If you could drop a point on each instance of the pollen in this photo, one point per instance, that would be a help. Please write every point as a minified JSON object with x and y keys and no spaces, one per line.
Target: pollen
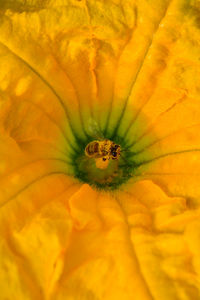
{"x":101,"y":164}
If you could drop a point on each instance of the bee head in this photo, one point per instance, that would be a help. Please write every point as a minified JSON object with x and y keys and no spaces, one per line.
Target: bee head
{"x":114,"y":154}
{"x":115,"y":151}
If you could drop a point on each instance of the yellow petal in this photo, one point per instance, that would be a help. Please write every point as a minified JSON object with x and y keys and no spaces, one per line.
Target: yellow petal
{"x":129,"y":70}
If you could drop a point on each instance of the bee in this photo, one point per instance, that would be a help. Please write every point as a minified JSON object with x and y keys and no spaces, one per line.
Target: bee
{"x":104,"y":149}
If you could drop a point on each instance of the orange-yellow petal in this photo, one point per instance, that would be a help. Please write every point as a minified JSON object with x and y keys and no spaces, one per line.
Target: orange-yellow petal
{"x":130,"y":70}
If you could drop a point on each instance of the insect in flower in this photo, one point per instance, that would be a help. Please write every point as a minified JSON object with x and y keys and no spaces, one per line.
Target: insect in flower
{"x":104,"y":149}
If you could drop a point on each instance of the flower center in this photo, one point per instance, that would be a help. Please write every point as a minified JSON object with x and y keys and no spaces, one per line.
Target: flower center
{"x":107,"y":157}
{"x":104,"y":164}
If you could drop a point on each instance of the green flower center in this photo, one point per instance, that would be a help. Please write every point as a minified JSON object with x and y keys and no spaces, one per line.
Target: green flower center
{"x":107,"y":174}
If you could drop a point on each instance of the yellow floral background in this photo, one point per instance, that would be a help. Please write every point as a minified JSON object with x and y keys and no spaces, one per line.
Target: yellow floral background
{"x":134,"y":68}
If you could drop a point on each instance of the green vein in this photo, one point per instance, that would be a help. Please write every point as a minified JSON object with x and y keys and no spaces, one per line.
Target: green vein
{"x":137,"y":74}
{"x":167,"y":154}
{"x":30,"y":184}
{"x":54,"y":122}
{"x":60,"y":100}
{"x":158,"y":140}
{"x":111,"y":102}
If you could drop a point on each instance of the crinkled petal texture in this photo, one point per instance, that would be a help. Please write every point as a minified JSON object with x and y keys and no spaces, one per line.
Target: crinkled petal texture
{"x":134,"y":68}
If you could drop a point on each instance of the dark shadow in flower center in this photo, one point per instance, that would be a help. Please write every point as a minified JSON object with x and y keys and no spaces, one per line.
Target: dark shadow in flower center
{"x":108,"y":174}
{"x":115,"y":172}
{"x":119,"y":170}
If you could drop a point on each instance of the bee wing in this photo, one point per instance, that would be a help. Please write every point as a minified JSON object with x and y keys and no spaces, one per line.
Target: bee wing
{"x":93,"y":129}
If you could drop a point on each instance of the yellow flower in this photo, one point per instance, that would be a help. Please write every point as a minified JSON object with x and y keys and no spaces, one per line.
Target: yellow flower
{"x":73,"y":72}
